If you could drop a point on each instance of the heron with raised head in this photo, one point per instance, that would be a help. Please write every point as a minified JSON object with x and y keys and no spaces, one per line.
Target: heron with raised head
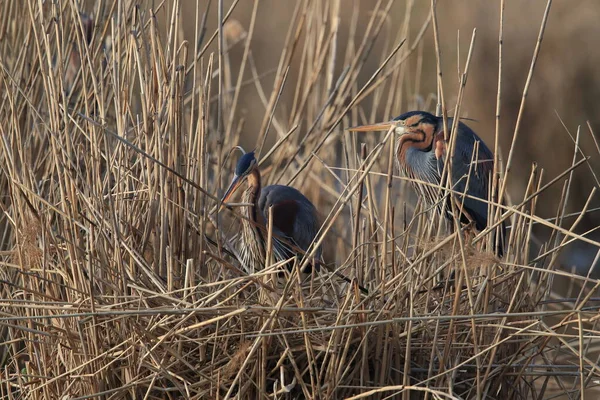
{"x":295,"y":222}
{"x":421,"y":152}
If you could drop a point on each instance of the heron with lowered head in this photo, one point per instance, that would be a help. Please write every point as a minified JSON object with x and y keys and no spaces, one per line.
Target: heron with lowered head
{"x":295,"y":222}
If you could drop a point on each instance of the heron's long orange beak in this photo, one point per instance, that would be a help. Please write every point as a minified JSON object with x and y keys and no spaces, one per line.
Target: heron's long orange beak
{"x":381,"y":126}
{"x":235,"y":183}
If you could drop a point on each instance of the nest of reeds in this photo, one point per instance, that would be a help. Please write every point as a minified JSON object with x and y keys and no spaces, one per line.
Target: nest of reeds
{"x":120,"y":280}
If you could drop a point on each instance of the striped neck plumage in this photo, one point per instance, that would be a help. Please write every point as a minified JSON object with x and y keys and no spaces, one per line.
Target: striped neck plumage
{"x":253,"y":250}
{"x":252,"y":194}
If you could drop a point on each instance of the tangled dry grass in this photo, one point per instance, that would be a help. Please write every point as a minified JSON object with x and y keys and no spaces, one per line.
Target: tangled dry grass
{"x":119,"y":280}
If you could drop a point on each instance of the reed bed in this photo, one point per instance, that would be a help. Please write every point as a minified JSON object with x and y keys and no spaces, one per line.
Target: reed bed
{"x":120,"y":277}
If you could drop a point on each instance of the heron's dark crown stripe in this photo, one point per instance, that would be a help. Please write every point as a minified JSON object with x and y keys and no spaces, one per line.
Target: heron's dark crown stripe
{"x":426,"y":117}
{"x":409,"y":114}
{"x":244,"y":163}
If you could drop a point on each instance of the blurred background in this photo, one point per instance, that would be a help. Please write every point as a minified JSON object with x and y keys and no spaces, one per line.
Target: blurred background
{"x":563,"y":96}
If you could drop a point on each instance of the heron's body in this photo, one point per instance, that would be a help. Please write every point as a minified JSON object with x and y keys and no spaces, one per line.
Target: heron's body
{"x":295,"y":221}
{"x":421,"y":153}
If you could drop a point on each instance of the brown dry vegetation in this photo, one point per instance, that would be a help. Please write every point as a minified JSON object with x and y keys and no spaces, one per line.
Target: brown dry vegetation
{"x":119,"y":279}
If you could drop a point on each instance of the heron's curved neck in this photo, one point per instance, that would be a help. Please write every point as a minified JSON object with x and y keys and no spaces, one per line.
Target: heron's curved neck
{"x":254,"y":250}
{"x":252,"y":194}
{"x":419,"y":139}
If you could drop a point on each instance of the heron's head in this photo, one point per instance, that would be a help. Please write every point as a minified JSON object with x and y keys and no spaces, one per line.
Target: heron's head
{"x":409,"y":122}
{"x":246,"y":164}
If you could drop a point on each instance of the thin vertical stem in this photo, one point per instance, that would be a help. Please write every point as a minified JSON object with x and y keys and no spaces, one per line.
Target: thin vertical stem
{"x":534,"y":59}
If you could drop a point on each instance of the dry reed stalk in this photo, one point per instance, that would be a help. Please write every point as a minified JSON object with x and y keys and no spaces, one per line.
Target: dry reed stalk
{"x":119,"y":281}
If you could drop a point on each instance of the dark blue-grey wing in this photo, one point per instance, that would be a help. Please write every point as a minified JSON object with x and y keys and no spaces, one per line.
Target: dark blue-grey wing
{"x":294,"y":216}
{"x":473,"y":170}
{"x":476,"y":171}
